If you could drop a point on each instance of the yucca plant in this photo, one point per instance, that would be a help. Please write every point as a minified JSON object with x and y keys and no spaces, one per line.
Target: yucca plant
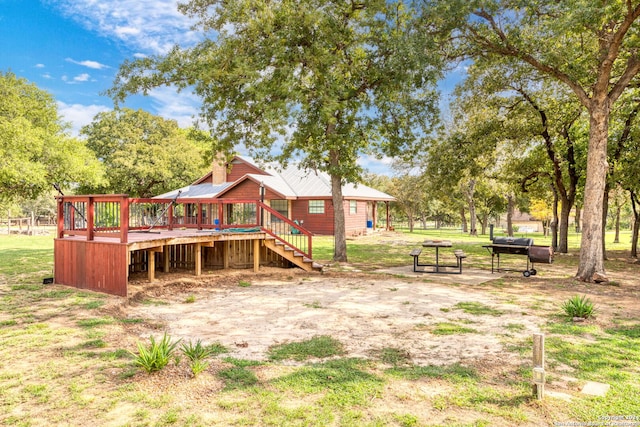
{"x":579,"y":306}
{"x":198,"y":366}
{"x":195,"y":351}
{"x":157,"y":355}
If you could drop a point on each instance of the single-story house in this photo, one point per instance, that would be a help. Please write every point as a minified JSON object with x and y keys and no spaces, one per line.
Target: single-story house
{"x":300,"y":195}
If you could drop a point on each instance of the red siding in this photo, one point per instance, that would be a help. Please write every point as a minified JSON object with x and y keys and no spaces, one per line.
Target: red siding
{"x":95,"y":266}
{"x":315,"y":223}
{"x":240,"y":169}
{"x":247,"y":189}
{"x":355,"y":223}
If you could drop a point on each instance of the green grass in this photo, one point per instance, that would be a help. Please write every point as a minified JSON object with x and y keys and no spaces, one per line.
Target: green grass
{"x":318,"y":346}
{"x":478,"y":309}
{"x":449,"y":328}
{"x":237,"y":377}
{"x":610,"y":356}
{"x":63,"y":361}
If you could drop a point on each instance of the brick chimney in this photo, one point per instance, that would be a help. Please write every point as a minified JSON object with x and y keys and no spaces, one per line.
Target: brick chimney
{"x":218,"y":170}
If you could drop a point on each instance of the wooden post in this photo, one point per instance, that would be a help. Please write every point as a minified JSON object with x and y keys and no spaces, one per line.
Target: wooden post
{"x":166,"y":252}
{"x":538,"y":365}
{"x":151,"y":265}
{"x":226,"y":253}
{"x":198,"y":259}
{"x":90,"y":218}
{"x":256,"y":255}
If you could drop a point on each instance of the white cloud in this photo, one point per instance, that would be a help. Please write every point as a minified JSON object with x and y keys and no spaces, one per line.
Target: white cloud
{"x":39,"y":65}
{"x":79,"y":115}
{"x":378,"y":166}
{"x":182,"y":107}
{"x":81,"y":77}
{"x":152,"y":26}
{"x":89,"y":64}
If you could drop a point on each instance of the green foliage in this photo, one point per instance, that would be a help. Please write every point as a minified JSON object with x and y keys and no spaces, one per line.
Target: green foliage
{"x":198,"y":366}
{"x":319,"y":346}
{"x":34,"y":147}
{"x":579,"y":306}
{"x":195,"y":351}
{"x":360,"y":84}
{"x":157,"y":355}
{"x":144,"y":155}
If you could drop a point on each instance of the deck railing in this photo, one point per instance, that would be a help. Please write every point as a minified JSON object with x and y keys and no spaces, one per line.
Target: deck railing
{"x":116,"y":215}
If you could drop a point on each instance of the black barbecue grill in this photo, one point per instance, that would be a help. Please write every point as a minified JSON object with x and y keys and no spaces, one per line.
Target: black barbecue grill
{"x":519,"y":246}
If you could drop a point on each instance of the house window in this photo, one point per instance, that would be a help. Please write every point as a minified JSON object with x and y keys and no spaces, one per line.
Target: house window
{"x":316,"y":206}
{"x":353,"y":207}
{"x":282,"y":206}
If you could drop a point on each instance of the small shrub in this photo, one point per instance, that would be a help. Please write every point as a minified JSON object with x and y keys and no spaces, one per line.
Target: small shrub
{"x":579,"y":306}
{"x":190,"y":299}
{"x":157,"y":355}
{"x":244,"y":284}
{"x":197,"y":366}
{"x":196,"y":351}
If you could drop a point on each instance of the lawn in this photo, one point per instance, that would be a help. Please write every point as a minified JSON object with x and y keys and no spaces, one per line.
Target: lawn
{"x":69,"y":357}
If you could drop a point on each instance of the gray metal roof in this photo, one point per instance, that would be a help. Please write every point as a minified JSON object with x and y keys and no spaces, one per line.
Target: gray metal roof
{"x":203,"y":191}
{"x":292,"y":182}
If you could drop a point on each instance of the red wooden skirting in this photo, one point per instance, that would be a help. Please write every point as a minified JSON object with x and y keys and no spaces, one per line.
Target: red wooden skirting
{"x":96,"y":266}
{"x":98,"y":243}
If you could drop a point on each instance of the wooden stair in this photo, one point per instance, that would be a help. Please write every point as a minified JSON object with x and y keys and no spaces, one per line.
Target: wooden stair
{"x":290,"y":254}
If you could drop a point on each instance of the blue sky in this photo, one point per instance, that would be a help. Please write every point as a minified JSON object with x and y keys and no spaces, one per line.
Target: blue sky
{"x":73,"y":48}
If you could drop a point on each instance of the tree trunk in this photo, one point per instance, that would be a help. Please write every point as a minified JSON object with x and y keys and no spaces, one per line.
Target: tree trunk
{"x":484,"y":221}
{"x":410,"y":221}
{"x":605,"y":213}
{"x":510,"y":209}
{"x":557,"y":221}
{"x":472,"y":207}
{"x":591,"y":266}
{"x":578,"y":219}
{"x":636,"y":225}
{"x":340,"y":238}
{"x":617,"y":238}
{"x":463,"y":219}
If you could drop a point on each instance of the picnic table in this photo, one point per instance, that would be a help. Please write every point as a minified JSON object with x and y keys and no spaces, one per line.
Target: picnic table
{"x":437,"y":267}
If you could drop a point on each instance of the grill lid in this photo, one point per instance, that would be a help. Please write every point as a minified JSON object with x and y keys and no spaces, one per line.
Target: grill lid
{"x":521,"y":241}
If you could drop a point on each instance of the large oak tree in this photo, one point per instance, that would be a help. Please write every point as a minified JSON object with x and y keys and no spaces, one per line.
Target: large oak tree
{"x":144,"y":155}
{"x":591,"y":46}
{"x":324,"y":82}
{"x":35,"y":149}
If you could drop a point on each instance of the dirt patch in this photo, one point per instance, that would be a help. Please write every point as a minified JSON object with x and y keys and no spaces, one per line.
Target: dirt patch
{"x":367,"y":312}
{"x":394,"y":308}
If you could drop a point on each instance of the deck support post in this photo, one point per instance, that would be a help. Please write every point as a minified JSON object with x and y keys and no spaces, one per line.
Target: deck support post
{"x":166,"y":253}
{"x":256,"y":255}
{"x":198,"y":259}
{"x":151,"y":265}
{"x":226,"y":251}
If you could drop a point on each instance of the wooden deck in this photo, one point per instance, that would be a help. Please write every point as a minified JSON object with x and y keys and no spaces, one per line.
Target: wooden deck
{"x":102,"y":258}
{"x":104,"y":264}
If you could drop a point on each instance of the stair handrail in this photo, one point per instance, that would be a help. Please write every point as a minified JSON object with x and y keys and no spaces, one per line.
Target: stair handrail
{"x":293,"y":225}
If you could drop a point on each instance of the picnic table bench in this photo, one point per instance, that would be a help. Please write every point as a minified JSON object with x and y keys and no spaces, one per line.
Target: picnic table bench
{"x":438,"y":267}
